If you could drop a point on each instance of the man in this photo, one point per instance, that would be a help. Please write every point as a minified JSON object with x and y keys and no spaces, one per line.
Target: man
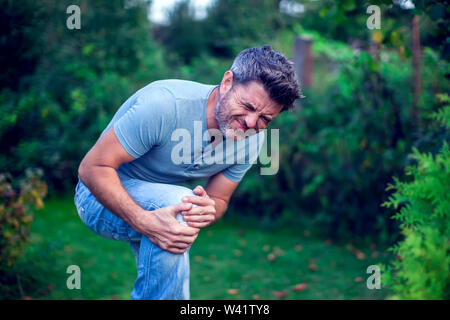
{"x":128,"y":182}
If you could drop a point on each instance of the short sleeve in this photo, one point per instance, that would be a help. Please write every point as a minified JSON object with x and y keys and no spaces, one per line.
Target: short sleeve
{"x":148,"y":122}
{"x":237,"y":171}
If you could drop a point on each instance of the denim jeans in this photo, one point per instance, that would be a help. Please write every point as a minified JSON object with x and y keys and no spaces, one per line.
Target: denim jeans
{"x":160,"y":273}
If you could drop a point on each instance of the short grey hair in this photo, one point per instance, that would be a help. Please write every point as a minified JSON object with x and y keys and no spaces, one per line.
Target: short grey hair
{"x":272,"y":69}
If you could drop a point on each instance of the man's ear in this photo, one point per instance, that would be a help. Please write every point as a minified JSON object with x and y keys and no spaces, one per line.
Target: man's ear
{"x":227,"y":82}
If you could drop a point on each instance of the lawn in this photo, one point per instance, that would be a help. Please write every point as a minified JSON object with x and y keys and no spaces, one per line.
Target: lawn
{"x":229,"y":260}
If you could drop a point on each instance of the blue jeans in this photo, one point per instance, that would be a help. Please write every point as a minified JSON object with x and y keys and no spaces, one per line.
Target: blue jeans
{"x":160,"y":273}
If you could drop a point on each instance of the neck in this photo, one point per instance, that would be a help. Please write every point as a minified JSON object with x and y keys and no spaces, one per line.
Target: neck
{"x":211,"y":122}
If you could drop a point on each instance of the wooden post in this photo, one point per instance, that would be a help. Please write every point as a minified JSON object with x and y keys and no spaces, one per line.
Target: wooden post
{"x":303,"y":61}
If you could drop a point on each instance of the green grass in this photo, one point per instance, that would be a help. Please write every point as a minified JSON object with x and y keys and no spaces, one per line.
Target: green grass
{"x":227,"y":255}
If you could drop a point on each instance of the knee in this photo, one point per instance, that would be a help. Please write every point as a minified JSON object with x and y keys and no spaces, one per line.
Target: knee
{"x":176,"y":193}
{"x":159,"y":194}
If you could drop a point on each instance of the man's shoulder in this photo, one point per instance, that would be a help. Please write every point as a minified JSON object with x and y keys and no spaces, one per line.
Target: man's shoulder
{"x":177,"y":89}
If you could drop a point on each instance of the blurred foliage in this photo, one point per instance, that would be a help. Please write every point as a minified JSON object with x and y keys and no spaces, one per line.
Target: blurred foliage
{"x":422,"y":270}
{"x":229,"y":27}
{"x":18,"y":43}
{"x":342,"y":20}
{"x":78,"y":82}
{"x":16,"y":213}
{"x":340,"y":148}
{"x":20,"y":197}
{"x":348,"y":138}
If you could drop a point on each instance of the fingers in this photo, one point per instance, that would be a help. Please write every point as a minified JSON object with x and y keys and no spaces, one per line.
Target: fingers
{"x":175,"y":209}
{"x":183,"y":231}
{"x":201,"y":201}
{"x":194,"y":211}
{"x":174,"y":242}
{"x":166,"y":232}
{"x":181,"y":243}
{"x":199,"y":221}
{"x":200,"y":191}
{"x":178,"y":244}
{"x":200,"y":224}
{"x":174,"y":249}
{"x":199,"y":218}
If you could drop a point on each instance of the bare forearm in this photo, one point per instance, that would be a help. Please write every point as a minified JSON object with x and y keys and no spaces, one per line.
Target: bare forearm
{"x":98,"y":172}
{"x":105,"y":185}
{"x":221,"y":207}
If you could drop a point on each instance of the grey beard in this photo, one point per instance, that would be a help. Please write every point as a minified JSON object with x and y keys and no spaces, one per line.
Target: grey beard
{"x":221,"y":118}
{"x":224,"y":121}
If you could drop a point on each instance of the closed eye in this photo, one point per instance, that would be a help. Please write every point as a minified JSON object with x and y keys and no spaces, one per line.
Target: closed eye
{"x":249,"y":107}
{"x":266,"y":120}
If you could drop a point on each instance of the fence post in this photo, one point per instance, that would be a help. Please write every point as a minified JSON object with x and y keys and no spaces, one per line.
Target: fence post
{"x":303,"y":61}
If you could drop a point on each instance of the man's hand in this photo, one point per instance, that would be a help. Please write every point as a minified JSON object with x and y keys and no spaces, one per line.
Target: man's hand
{"x":164,"y":230}
{"x":204,"y":213}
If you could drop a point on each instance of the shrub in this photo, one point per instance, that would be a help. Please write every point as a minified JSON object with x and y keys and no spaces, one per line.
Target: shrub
{"x":16,"y":213}
{"x":422,"y":268}
{"x":351,"y":134}
{"x":80,"y":79}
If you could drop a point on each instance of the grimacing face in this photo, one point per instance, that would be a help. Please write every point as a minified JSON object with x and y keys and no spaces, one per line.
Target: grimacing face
{"x":244,"y":107}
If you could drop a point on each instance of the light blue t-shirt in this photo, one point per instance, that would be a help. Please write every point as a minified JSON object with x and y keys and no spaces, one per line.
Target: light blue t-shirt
{"x":146,"y":124}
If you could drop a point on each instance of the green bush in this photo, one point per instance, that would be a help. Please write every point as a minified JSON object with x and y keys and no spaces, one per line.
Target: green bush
{"x":350,"y":135}
{"x":347,"y":140}
{"x":19,"y":198}
{"x":422,"y":268}
{"x":80,"y":79}
{"x":16,"y":213}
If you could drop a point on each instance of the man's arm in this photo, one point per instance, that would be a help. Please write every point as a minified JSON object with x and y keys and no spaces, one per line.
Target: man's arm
{"x":98,"y":173}
{"x":220,"y":189}
{"x":216,"y":196}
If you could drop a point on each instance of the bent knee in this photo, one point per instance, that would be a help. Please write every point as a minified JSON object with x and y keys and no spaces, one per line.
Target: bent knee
{"x":158,"y":194}
{"x":176,"y":194}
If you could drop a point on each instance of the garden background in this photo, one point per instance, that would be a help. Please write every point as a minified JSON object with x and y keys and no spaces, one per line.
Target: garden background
{"x":364,"y":165}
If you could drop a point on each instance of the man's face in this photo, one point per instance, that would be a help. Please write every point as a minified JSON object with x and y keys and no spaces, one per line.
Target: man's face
{"x":245,"y":107}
